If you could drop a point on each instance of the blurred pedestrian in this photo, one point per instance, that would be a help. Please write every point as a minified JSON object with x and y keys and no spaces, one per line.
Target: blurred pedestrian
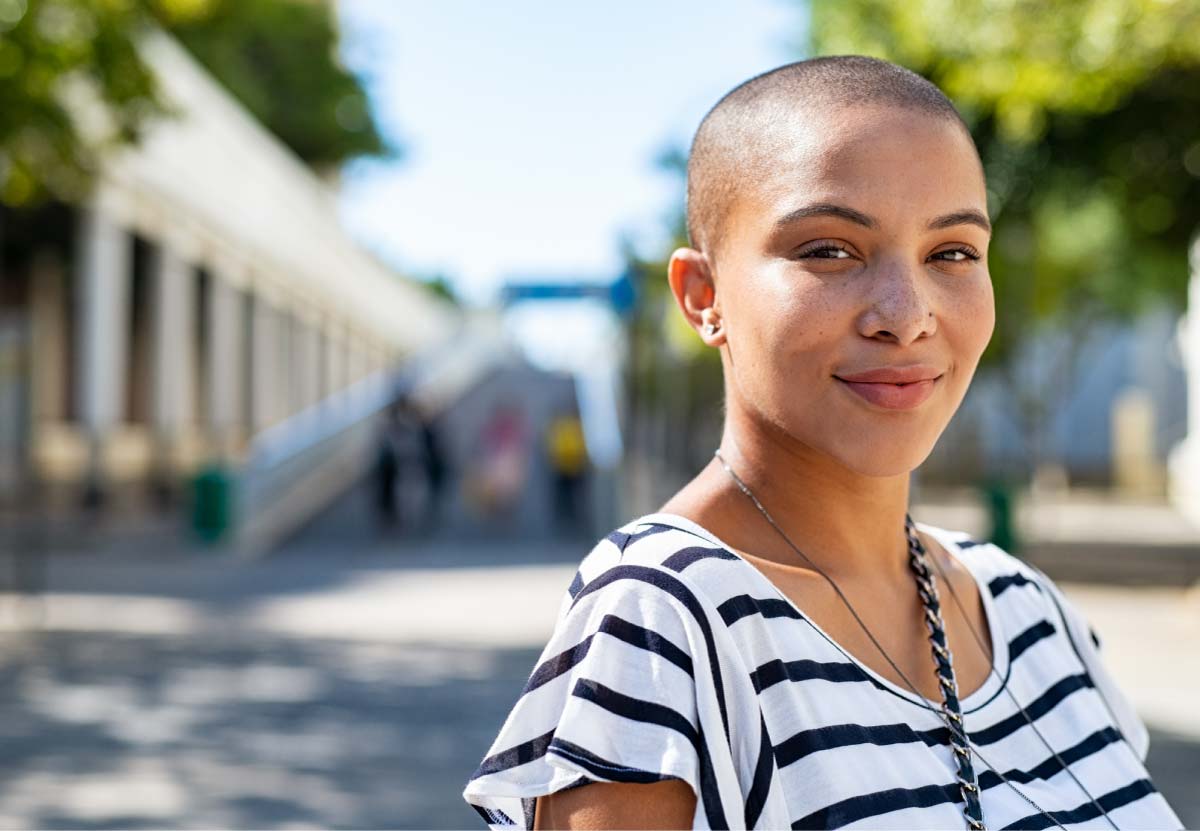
{"x":498,"y":479}
{"x":398,"y":452}
{"x":566,"y":450}
{"x":434,"y":459}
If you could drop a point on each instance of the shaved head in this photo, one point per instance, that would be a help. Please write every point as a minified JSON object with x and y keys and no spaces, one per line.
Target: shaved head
{"x":738,"y":140}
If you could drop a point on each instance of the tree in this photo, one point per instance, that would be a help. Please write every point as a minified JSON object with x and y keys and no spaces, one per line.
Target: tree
{"x":43,"y":42}
{"x":1084,"y":112}
{"x":441,"y":286}
{"x":279,"y":58}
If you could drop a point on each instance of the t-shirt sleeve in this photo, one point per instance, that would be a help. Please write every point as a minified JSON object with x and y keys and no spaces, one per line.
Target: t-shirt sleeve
{"x":1087,"y":644}
{"x":613,"y":698}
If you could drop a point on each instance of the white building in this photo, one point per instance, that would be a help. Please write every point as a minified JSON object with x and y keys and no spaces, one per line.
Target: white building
{"x":206,"y":292}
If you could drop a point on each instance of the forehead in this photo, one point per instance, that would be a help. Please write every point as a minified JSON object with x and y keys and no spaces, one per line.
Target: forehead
{"x":882,"y":160}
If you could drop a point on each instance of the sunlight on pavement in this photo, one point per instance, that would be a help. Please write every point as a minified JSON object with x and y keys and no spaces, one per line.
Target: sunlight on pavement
{"x":1149,"y":640}
{"x":132,"y":615}
{"x":500,"y":607}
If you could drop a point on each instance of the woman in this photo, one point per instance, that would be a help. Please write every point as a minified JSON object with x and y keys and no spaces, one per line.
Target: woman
{"x":779,"y":646}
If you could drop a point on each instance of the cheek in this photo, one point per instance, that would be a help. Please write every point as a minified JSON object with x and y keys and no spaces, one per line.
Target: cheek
{"x":980,"y":311}
{"x":968,"y":319}
{"x":795,"y":316}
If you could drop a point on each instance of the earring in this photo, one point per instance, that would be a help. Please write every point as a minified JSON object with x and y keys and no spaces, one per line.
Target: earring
{"x":710,"y":329}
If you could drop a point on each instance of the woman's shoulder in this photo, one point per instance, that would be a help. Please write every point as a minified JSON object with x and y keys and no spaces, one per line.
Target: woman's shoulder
{"x":660,"y":548}
{"x":997,"y":568}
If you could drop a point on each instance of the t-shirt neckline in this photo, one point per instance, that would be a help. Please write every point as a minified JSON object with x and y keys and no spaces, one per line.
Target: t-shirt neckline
{"x":996,"y":680}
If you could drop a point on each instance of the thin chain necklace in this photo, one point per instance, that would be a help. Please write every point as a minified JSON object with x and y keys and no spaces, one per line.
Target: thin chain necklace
{"x":950,"y":713}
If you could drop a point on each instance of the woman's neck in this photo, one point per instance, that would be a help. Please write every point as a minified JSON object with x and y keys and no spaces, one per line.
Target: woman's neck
{"x":847,"y":523}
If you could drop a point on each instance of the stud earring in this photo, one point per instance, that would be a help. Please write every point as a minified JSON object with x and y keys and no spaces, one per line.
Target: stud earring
{"x":710,"y":328}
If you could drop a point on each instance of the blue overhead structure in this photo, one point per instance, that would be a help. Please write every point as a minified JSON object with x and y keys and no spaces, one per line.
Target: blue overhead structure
{"x":620,"y":294}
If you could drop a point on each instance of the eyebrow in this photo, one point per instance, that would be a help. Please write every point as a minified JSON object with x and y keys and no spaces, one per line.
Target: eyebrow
{"x":964,"y":217}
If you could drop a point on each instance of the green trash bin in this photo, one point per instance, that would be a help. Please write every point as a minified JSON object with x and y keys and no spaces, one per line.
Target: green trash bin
{"x":212,"y":503}
{"x":998,"y":497}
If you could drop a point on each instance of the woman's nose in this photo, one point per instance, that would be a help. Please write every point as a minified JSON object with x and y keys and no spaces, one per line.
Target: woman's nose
{"x":899,"y":309}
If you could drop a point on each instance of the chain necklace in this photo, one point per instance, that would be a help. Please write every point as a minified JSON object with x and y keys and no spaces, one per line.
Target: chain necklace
{"x":951,"y":712}
{"x":968,"y":783}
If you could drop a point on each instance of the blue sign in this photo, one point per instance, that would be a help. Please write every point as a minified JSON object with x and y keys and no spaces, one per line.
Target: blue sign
{"x":620,"y":294}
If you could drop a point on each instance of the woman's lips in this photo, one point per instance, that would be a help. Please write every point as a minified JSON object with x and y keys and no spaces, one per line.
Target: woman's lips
{"x":893,"y":396}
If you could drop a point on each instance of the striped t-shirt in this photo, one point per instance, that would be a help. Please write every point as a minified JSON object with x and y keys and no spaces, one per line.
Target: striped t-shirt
{"x":674,"y":658}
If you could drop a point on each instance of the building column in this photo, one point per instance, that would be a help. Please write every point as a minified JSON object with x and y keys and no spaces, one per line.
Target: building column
{"x":286,"y":344}
{"x":374,"y":361}
{"x":49,"y":371}
{"x":331,"y":359}
{"x":316,"y":362}
{"x":357,"y":359}
{"x":345,"y":358}
{"x":226,"y":364}
{"x":325,"y":386}
{"x":246,"y":303}
{"x":309,"y":352}
{"x":173,"y":338}
{"x":103,"y":277}
{"x":263,"y":365}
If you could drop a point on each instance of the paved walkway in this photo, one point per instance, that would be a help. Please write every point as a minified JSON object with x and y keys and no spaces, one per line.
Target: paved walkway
{"x":287,"y":693}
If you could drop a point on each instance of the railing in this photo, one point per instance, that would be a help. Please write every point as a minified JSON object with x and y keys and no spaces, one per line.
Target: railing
{"x":297,"y":467}
{"x":301,"y":464}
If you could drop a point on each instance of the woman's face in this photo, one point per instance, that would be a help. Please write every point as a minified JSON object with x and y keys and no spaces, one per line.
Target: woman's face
{"x":859,"y":259}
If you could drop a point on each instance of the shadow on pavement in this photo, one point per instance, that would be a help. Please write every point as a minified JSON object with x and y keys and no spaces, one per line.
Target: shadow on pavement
{"x":105,"y":731}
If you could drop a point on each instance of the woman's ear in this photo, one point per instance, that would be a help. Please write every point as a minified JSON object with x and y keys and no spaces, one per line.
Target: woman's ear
{"x":695,"y":291}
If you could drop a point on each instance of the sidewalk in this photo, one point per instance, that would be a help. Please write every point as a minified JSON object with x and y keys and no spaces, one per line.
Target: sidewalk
{"x":355,"y":689}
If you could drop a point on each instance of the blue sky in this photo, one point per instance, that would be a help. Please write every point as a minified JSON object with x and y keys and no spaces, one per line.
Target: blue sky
{"x":531,"y":128}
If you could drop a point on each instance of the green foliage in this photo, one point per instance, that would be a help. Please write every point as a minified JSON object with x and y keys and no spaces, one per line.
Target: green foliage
{"x":41,"y":43}
{"x":440,"y":286}
{"x":279,"y":58}
{"x":1021,"y":61}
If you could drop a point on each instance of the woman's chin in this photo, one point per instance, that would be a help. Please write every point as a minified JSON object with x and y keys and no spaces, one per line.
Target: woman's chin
{"x":884,"y":459}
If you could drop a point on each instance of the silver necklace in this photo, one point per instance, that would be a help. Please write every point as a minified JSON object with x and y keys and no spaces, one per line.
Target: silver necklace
{"x":950,"y":714}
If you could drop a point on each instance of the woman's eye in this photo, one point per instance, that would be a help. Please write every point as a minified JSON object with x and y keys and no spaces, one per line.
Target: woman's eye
{"x":956,"y":255}
{"x":826,"y":252}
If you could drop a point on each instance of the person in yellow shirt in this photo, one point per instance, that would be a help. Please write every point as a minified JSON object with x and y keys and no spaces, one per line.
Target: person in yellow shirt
{"x":567,"y":451}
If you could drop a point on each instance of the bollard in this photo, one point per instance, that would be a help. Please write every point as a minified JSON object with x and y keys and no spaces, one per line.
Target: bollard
{"x":998,"y":497}
{"x":211,"y":503}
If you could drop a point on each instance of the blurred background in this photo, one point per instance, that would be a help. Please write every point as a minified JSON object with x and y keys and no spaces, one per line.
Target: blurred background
{"x":333,"y":334}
